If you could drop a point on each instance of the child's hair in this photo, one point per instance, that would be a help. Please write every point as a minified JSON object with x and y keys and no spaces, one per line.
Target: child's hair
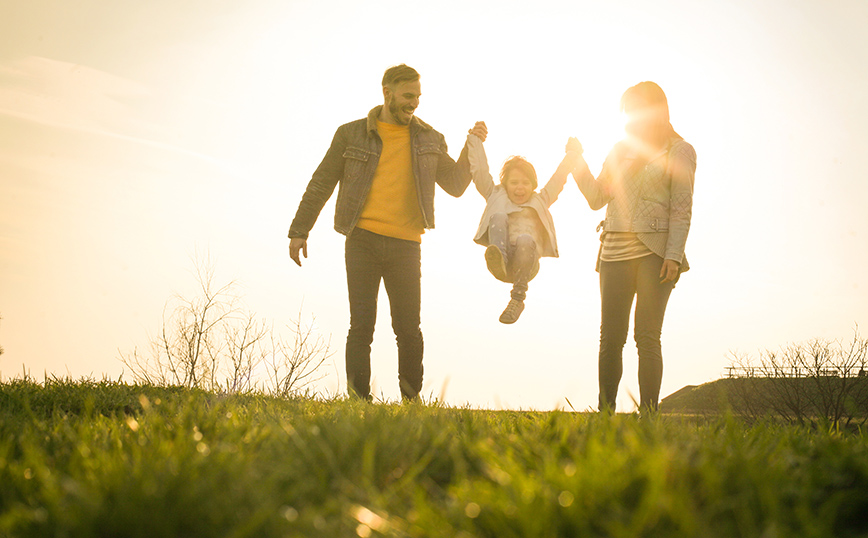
{"x":521,"y":164}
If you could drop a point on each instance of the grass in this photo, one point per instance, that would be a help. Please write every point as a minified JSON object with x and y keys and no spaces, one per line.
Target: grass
{"x":89,"y":458}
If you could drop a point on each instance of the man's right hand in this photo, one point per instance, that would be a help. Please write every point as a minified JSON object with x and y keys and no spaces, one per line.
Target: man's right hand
{"x":297,"y":244}
{"x":480,"y":130}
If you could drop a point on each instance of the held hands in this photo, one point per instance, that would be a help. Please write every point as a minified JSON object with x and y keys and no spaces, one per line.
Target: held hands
{"x":573,"y":144}
{"x":574,"y":154}
{"x":297,"y":244}
{"x":480,"y":130}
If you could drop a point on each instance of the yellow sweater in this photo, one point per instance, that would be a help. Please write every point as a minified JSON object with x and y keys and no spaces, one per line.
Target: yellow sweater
{"x":392,"y":206}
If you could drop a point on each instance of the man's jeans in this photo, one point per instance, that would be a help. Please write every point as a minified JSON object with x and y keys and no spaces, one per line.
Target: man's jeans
{"x":371,"y":258}
{"x":520,"y":257}
{"x":619,"y":283}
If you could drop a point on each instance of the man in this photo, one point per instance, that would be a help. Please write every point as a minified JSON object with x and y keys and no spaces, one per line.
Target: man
{"x":386,"y":166}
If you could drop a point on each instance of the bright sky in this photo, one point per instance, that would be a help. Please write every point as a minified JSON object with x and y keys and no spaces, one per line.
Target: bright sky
{"x":133,"y":134}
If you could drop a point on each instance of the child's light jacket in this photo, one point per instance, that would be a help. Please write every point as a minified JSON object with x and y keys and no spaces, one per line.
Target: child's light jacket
{"x":498,"y":202}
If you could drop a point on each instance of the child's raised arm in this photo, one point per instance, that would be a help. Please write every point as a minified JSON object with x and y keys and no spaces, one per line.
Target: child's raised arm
{"x":479,"y":162}
{"x":555,"y":185}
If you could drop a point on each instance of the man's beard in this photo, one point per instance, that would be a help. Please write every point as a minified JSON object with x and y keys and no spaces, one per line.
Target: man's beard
{"x":395,"y":111}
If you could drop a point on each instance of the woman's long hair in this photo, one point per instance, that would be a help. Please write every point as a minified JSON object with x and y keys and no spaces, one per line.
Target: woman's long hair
{"x":648,"y":96}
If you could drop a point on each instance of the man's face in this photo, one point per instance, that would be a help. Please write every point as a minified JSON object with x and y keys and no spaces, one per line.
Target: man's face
{"x":519,"y":187}
{"x":401,"y":100}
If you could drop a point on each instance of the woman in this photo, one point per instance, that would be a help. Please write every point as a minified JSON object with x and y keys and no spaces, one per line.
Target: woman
{"x":647,"y":185}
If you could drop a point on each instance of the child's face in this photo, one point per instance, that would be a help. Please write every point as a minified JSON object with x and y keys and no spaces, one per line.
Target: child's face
{"x":519,"y":187}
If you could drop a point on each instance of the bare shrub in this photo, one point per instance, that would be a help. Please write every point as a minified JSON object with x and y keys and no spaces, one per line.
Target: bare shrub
{"x":294,"y":363}
{"x":802,"y":383}
{"x":213,"y":342}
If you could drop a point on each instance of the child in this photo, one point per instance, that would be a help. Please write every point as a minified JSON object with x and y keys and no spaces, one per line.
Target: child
{"x":516,"y":226}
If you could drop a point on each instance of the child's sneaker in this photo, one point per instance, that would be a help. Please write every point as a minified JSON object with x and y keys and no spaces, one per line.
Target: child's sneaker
{"x":512,"y":312}
{"x":495,"y":262}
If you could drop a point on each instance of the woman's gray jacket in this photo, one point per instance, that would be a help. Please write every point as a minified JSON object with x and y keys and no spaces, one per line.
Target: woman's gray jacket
{"x":654,"y":202}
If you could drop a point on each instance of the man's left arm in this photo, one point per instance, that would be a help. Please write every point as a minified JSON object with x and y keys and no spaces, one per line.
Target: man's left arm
{"x":454,"y":176}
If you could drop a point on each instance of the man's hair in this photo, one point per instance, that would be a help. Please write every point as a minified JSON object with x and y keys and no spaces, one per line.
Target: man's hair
{"x":521,"y":164}
{"x":399,"y":73}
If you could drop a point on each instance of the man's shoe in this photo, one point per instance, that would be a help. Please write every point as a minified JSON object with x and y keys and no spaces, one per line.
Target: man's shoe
{"x":496,"y":263}
{"x":512,"y":312}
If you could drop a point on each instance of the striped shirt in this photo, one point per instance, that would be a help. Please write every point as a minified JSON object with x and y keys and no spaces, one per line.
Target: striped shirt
{"x":620,"y":246}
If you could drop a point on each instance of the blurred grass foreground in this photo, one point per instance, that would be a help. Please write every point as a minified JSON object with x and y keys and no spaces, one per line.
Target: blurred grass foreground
{"x":87,"y":458}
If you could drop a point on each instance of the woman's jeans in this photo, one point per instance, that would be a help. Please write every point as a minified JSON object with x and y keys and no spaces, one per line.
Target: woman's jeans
{"x":520,"y":257}
{"x":619,"y":283}
{"x":371,"y":258}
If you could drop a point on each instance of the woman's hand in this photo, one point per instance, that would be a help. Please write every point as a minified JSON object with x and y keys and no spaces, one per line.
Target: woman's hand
{"x":573,"y":144}
{"x":669,"y":271}
{"x":569,"y":162}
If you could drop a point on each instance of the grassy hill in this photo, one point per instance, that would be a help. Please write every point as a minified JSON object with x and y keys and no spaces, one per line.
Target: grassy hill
{"x":708,"y":398}
{"x":106,"y":459}
{"x":844,"y":400}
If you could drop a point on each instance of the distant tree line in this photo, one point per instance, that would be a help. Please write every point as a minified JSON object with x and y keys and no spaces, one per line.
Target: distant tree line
{"x":819,"y":380}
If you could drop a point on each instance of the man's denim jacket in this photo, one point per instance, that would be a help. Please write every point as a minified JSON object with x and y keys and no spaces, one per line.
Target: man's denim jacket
{"x":351,"y":161}
{"x":656,"y":203}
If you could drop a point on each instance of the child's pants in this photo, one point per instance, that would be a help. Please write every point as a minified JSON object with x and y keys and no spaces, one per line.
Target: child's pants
{"x":520,"y":257}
